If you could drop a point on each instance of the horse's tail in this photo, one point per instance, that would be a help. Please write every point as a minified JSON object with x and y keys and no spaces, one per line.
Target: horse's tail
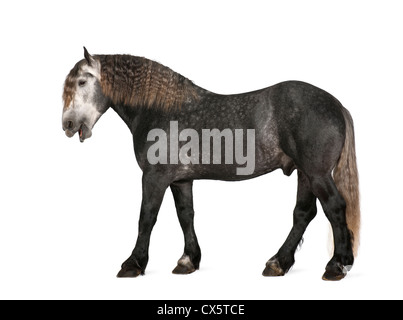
{"x":345,"y":175}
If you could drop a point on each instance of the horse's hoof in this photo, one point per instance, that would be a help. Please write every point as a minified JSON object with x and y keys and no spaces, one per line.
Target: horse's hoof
{"x":129,"y":273}
{"x":183,"y":270}
{"x":332,"y":276}
{"x":273,"y":269}
{"x":185,"y":266}
{"x":130,"y":269}
{"x":335,"y":272}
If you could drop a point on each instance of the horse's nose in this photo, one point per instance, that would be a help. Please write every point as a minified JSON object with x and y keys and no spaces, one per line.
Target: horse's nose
{"x":68,"y":125}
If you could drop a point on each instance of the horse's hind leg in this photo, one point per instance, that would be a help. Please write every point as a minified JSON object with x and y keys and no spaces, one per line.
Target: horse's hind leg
{"x":304,"y":212}
{"x":190,"y":260}
{"x":334,"y":207}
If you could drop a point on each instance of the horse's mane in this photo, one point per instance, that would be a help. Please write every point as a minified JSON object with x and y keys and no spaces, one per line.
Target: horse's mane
{"x":136,"y":81}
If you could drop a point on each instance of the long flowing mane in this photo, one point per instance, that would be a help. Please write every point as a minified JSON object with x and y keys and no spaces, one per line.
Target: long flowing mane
{"x":137,"y":81}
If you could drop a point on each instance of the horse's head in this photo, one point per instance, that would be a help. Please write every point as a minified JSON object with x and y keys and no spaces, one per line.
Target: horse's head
{"x":84,"y":102}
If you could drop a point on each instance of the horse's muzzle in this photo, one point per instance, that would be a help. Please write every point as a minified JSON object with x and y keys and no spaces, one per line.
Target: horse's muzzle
{"x":70,"y":130}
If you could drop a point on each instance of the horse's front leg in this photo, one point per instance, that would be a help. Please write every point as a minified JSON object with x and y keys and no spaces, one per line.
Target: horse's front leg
{"x":153,"y":193}
{"x":189,"y":262}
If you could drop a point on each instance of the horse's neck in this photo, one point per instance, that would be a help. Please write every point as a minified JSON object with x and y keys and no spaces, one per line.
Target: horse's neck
{"x":127,"y":114}
{"x":131,"y":114}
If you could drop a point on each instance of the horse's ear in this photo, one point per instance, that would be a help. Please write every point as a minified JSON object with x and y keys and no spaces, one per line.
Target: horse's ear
{"x":88,"y":57}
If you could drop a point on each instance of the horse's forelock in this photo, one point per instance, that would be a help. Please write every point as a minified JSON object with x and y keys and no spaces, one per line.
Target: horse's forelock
{"x":70,"y":84}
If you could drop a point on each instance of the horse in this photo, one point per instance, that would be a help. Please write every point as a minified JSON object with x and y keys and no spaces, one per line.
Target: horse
{"x":291,"y":126}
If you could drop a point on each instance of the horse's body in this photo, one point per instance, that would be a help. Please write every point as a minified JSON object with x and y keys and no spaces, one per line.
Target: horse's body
{"x":295,"y":126}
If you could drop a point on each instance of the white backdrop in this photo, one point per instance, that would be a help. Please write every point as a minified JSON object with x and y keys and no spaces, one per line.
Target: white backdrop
{"x":69,"y":211}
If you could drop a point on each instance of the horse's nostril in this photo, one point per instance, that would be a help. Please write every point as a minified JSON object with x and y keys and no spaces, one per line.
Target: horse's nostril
{"x":70,"y":125}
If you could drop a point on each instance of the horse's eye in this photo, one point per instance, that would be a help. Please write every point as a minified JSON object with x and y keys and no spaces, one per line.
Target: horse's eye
{"x":81,"y":83}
